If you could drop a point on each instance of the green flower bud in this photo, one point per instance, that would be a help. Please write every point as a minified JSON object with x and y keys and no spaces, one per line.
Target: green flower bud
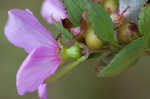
{"x":127,"y":32}
{"x":92,"y":40}
{"x":73,"y":52}
{"x":110,"y":6}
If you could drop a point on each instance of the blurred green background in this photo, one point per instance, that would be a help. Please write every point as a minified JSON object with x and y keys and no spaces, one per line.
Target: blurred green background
{"x":81,"y":83}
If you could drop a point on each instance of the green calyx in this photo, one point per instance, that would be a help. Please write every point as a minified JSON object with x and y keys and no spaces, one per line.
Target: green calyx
{"x":73,"y":52}
{"x":62,"y":53}
{"x":69,"y":53}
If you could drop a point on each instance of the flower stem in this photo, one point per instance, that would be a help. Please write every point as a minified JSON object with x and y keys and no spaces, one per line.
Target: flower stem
{"x":62,"y":72}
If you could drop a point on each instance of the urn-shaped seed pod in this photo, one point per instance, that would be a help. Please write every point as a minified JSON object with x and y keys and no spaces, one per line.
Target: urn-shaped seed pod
{"x":110,"y":6}
{"x":92,"y":40}
{"x":117,"y":19}
{"x":127,"y":32}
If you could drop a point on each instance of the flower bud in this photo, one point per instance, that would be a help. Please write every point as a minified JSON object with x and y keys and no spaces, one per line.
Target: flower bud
{"x":92,"y":40}
{"x":110,"y":6}
{"x":127,"y":32}
{"x":73,"y":52}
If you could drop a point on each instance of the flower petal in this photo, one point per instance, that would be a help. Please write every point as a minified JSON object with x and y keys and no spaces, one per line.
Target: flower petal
{"x":40,"y":64}
{"x":25,"y":31}
{"x":53,"y":8}
{"x":42,"y":91}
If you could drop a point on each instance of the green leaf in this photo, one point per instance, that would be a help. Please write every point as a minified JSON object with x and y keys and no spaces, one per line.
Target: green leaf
{"x":62,"y":30}
{"x":144,"y":21}
{"x":128,"y":55}
{"x":75,"y":9}
{"x":101,"y":22}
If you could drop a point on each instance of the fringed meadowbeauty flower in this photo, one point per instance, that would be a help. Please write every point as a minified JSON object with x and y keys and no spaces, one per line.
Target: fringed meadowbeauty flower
{"x":24,"y":31}
{"x":53,"y":9}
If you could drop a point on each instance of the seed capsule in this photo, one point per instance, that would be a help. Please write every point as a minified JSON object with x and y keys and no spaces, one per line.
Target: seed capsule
{"x":127,"y":32}
{"x":117,"y":19}
{"x":92,"y":40}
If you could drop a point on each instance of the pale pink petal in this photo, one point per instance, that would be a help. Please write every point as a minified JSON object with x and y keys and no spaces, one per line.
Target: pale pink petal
{"x":40,"y":64}
{"x":42,"y":91}
{"x":53,"y":9}
{"x":25,"y":31}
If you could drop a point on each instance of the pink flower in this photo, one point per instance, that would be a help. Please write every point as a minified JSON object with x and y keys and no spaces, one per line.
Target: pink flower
{"x":53,"y":9}
{"x":24,"y":31}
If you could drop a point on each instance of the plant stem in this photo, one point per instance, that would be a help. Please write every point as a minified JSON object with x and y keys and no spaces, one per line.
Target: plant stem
{"x":62,"y":72}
